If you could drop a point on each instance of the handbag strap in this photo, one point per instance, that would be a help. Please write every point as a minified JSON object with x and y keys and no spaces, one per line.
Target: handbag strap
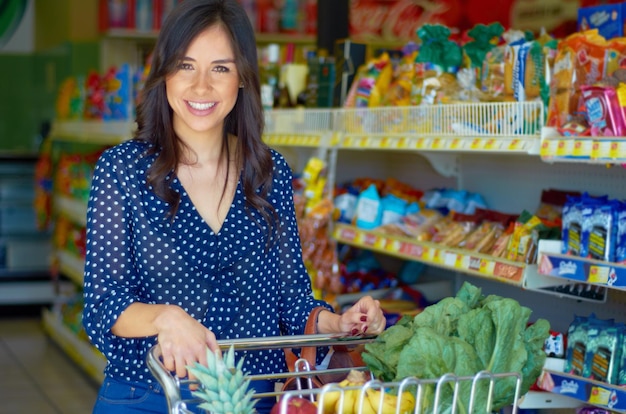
{"x":308,"y":352}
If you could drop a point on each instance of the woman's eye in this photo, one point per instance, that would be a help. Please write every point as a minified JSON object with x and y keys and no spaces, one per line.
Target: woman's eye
{"x":222,"y":69}
{"x":185,"y":66}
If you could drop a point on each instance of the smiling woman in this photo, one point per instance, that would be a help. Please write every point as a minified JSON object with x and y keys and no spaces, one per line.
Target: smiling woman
{"x":191,"y":228}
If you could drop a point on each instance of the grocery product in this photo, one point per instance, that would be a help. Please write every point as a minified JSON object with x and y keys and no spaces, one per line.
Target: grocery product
{"x":463,"y":335}
{"x":224,"y":386}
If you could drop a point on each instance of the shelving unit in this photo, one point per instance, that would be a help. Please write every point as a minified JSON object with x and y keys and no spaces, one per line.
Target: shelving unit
{"x":509,"y":170}
{"x":25,"y":250}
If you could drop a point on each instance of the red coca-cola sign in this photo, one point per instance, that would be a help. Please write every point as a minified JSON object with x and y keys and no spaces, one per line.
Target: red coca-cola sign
{"x":398,"y":20}
{"x":393,"y":20}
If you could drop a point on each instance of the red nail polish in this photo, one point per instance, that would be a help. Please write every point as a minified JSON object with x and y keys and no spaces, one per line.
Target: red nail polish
{"x":365,"y":329}
{"x":354,"y":332}
{"x":363,"y":318}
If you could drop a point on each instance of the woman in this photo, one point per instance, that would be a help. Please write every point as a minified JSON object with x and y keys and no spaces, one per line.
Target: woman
{"x":191,"y":227}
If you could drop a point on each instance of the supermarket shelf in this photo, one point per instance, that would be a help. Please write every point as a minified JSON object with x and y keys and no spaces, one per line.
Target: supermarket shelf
{"x":595,"y":272}
{"x":465,"y":261}
{"x":81,"y":352}
{"x":71,"y":265}
{"x":586,"y":390}
{"x":589,"y":150}
{"x":92,"y":132}
{"x":295,"y":140}
{"x":151,"y":35}
{"x":544,"y":400}
{"x":27,"y":292}
{"x":73,"y":209}
{"x":509,"y":145}
{"x":430,"y":253}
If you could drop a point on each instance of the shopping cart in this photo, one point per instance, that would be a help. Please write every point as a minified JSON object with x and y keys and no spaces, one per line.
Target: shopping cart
{"x":430,"y":395}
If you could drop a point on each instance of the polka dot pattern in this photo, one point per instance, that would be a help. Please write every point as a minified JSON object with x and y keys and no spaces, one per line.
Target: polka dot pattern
{"x":229,"y":280}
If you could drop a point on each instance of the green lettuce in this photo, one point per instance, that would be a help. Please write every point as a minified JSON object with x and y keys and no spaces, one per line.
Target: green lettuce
{"x":463,"y":335}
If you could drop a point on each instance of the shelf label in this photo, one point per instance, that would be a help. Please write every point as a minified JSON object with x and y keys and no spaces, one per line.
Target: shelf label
{"x":549,"y":148}
{"x":515,"y":145}
{"x":455,"y":144}
{"x":474,"y":263}
{"x":437,"y":256}
{"x":564,"y":147}
{"x":476,"y":144}
{"x":578,"y":268}
{"x":487,"y":267}
{"x":436,"y":144}
{"x":582,"y":148}
{"x":420,"y":143}
{"x":449,"y":258}
{"x":601,"y":274}
{"x":601,"y":150}
{"x":368,"y":239}
{"x":618,"y":150}
{"x":412,"y":250}
{"x":492,"y":144}
{"x":347,"y":234}
{"x":461,"y":262}
{"x":508,"y":271}
{"x":393,"y":246}
{"x":609,"y":396}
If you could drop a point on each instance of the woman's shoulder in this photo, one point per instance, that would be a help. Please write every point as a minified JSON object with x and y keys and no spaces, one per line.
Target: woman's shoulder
{"x":131,"y":154}
{"x":127,"y":151}
{"x":279,"y":160}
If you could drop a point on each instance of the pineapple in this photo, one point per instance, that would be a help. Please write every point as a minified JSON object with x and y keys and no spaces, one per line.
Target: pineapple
{"x":224,"y":387}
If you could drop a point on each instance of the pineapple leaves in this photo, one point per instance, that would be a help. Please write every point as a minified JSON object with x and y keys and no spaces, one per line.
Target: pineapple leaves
{"x":223,"y":384}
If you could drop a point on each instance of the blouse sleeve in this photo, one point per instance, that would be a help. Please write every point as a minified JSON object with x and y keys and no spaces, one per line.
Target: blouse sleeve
{"x":296,"y":293}
{"x":109,"y":279}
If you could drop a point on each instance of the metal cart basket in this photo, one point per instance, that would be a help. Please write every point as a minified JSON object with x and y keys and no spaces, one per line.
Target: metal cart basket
{"x":440,"y":395}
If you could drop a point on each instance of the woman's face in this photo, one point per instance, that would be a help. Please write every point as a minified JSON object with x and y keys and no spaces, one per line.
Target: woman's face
{"x":204,"y":88}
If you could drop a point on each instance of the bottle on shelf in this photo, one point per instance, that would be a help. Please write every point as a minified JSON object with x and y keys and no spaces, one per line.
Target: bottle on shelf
{"x":270,"y":75}
{"x":289,"y":16}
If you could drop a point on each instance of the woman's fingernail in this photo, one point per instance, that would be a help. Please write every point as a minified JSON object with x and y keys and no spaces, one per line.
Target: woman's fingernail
{"x":363,"y":318}
{"x":365,"y":329}
{"x":354,"y":332}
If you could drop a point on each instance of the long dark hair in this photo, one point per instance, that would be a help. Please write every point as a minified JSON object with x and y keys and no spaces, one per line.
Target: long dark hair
{"x":246,"y":120}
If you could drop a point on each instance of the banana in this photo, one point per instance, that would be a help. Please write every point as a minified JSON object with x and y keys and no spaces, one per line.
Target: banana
{"x":346,"y":402}
{"x":329,"y":398}
{"x":390,"y":402}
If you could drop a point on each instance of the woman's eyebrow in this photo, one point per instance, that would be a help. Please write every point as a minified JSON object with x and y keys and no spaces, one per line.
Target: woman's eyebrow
{"x":217,"y":61}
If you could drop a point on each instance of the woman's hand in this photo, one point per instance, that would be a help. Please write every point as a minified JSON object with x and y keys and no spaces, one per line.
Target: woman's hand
{"x":183,"y":340}
{"x":364,"y":317}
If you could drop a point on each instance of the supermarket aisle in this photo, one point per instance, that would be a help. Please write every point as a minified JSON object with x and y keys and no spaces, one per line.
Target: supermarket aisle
{"x":35,"y":375}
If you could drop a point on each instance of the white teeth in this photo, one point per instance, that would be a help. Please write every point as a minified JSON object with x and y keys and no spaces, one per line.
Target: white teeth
{"x":201,"y":106}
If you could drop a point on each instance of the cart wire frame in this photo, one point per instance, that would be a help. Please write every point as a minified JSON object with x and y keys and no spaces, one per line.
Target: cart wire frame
{"x":171,"y":384}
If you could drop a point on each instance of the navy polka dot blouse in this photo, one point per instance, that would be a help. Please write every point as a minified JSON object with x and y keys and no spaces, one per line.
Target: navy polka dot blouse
{"x":228,"y":281}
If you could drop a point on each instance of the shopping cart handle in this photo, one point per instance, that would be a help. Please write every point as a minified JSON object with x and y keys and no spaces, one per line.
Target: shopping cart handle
{"x":295,"y":341}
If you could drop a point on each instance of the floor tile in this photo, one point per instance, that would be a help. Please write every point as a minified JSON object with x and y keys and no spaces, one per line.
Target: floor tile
{"x":37,"y":377}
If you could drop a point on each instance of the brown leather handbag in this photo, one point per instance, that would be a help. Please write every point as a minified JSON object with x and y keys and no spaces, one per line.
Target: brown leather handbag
{"x":343,"y":356}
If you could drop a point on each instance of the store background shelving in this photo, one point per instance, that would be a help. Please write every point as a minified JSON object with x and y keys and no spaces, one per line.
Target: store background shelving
{"x":517,"y":185}
{"x":509,"y":170}
{"x":25,"y":249}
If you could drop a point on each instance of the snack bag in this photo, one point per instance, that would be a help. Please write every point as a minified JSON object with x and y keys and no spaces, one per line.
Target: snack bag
{"x":576,"y":346}
{"x":603,"y":111}
{"x":399,"y":91}
{"x":603,"y":231}
{"x":580,"y":60}
{"x":371,"y":86}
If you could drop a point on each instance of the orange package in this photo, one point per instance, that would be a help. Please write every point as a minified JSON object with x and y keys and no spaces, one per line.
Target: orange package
{"x":580,"y":60}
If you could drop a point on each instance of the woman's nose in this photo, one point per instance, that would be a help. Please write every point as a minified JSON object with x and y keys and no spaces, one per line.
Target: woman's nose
{"x":203,"y":81}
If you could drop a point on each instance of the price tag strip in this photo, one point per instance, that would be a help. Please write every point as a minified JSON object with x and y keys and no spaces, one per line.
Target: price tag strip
{"x":431,"y":253}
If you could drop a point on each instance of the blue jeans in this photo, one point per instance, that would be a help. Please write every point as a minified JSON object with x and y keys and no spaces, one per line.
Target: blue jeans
{"x":121,"y":397}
